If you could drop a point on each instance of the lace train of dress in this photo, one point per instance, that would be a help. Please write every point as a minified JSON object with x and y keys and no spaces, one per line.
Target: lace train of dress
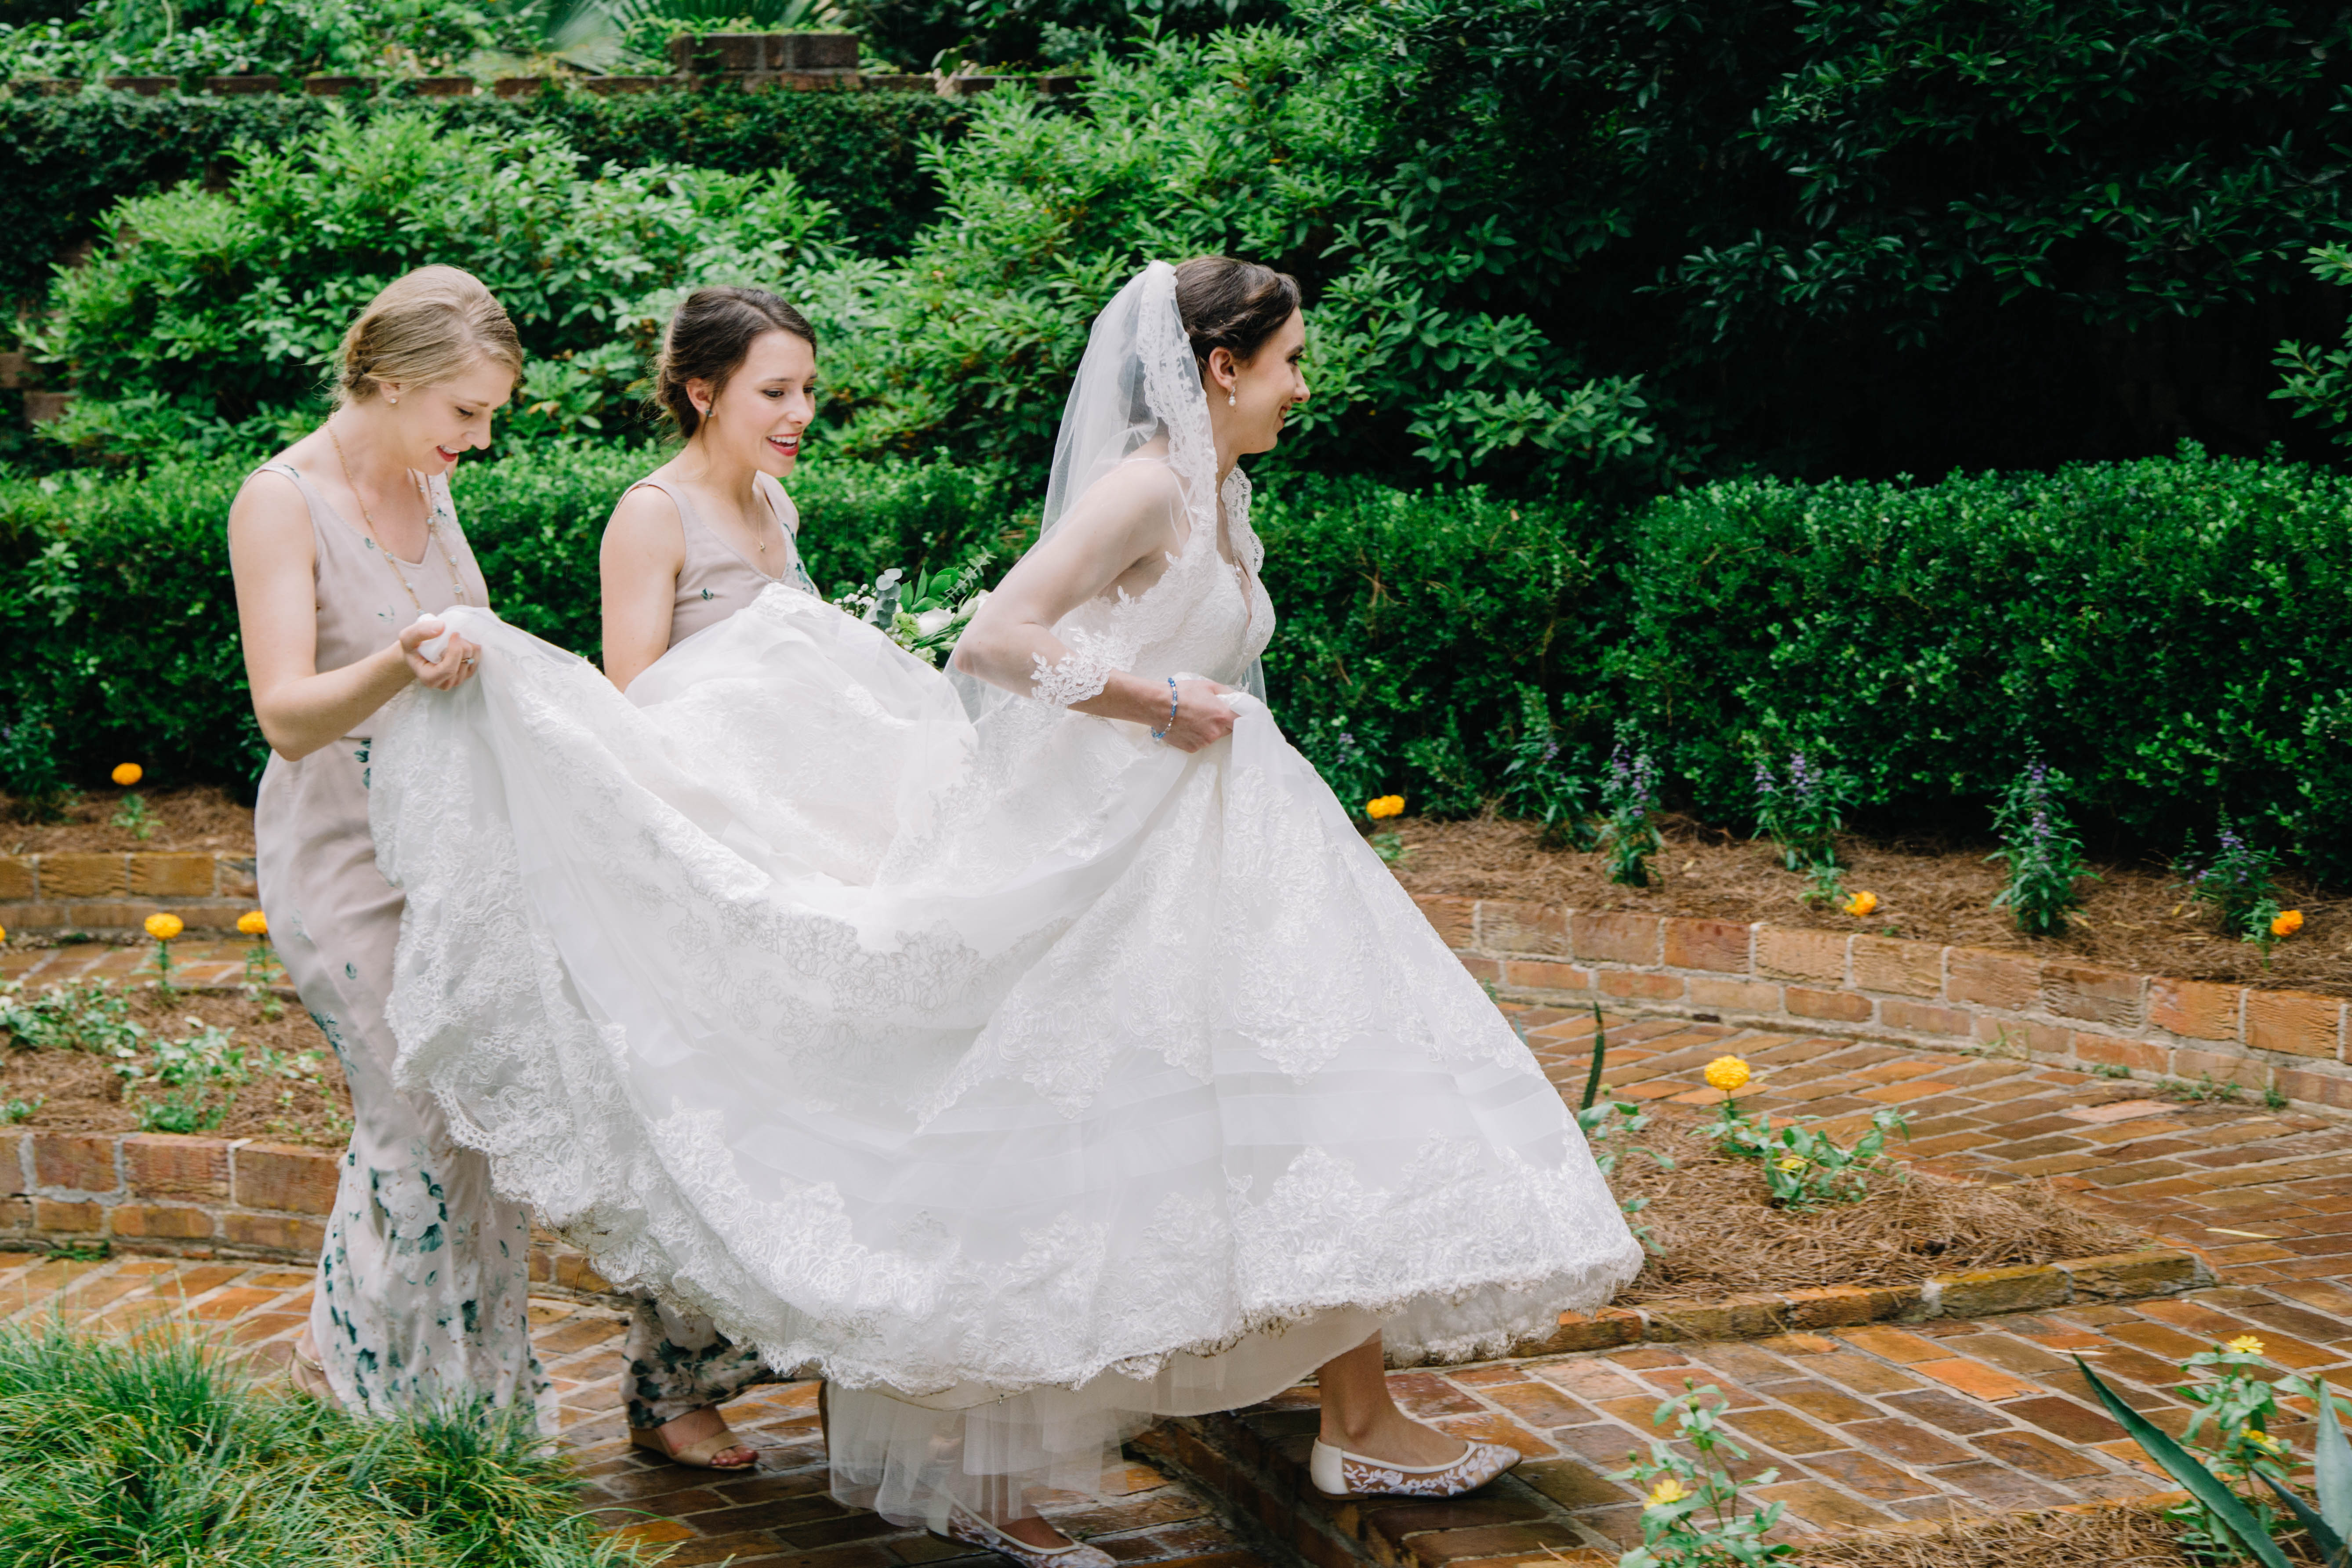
{"x":1026,"y":1077}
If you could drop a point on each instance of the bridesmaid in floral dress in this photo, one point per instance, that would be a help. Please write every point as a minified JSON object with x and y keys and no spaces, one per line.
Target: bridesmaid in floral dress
{"x":344,"y":546}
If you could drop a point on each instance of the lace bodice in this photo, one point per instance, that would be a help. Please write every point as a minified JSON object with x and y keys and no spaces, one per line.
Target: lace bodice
{"x":1207,"y":616}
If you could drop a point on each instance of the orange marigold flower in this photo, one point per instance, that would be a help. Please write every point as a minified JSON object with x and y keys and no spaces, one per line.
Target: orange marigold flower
{"x":2287,"y":924}
{"x":165,"y":927}
{"x":1861,"y":904}
{"x":128,"y":774}
{"x":1384,"y":806}
{"x":252,"y":923}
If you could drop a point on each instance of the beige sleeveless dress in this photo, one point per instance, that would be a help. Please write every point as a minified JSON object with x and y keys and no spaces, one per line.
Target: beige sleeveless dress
{"x":716,"y":579}
{"x":425,"y":1276}
{"x":677,"y":1362}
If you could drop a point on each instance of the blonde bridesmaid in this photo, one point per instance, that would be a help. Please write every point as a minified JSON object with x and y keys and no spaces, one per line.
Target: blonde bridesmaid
{"x":344,"y":547}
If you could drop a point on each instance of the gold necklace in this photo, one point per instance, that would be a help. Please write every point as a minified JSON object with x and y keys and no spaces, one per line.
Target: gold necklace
{"x":432,"y":527}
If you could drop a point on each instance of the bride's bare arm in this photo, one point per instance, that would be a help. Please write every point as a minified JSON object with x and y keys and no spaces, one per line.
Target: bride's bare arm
{"x":1121,"y":525}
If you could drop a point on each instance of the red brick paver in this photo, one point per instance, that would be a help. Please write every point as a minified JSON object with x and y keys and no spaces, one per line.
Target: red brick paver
{"x":1867,"y":1427}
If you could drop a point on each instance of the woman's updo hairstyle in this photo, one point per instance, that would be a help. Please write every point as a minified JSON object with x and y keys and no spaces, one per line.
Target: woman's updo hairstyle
{"x":709,"y":336}
{"x":432,"y":325}
{"x":1231,"y":304}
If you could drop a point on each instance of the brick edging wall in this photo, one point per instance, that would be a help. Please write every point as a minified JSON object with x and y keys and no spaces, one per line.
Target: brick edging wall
{"x":196,"y":1196}
{"x":1885,"y":988}
{"x":115,"y":891}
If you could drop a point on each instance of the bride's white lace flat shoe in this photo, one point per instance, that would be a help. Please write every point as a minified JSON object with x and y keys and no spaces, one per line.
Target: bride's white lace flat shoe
{"x":974,"y":1530}
{"x":1338,"y":1473}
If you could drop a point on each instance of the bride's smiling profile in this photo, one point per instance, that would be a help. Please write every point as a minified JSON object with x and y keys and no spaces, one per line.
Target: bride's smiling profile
{"x":1030,"y":1049}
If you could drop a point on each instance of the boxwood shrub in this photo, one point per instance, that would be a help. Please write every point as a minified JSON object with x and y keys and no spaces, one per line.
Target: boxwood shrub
{"x":2176,"y":633}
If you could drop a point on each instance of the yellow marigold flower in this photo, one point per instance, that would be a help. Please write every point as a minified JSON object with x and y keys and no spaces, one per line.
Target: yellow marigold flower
{"x":2246,"y":1345}
{"x":1668,"y":1490}
{"x":128,"y":774}
{"x":2288,"y":923}
{"x":163,"y":927}
{"x":2261,"y":1439}
{"x":1726,"y":1073}
{"x":1792,"y":1161}
{"x":1383,"y":805}
{"x":3,"y":934}
{"x":252,"y":923}
{"x":1861,"y":904}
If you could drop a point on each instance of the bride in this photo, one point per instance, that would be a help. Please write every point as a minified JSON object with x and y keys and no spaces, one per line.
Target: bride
{"x":1028,"y":1051}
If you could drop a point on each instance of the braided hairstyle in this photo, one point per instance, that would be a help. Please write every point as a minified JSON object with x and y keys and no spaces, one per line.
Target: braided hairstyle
{"x":709,"y":336}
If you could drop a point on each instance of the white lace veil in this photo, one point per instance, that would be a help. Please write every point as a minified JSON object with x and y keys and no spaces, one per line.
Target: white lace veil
{"x":1137,"y":383}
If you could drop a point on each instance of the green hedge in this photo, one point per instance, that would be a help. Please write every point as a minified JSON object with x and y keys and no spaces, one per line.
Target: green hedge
{"x":75,"y":157}
{"x":2176,"y":633}
{"x":117,"y":592}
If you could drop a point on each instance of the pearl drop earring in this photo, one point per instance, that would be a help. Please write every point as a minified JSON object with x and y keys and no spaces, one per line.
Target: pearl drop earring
{"x":1229,"y":400}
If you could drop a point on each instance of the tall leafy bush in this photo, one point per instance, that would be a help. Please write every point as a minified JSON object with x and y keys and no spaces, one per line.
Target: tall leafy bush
{"x":1244,"y":142}
{"x":216,"y":310}
{"x":71,"y":159}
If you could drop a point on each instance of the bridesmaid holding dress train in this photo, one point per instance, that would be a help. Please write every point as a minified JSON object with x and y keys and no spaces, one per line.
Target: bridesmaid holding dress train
{"x":690,"y":544}
{"x":344,"y":547}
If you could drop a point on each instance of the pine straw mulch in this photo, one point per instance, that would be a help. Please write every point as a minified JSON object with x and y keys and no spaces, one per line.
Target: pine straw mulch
{"x":81,"y":1093}
{"x":1929,"y":889}
{"x":1715,"y":1233}
{"x":2128,"y":1536}
{"x":189,"y":818}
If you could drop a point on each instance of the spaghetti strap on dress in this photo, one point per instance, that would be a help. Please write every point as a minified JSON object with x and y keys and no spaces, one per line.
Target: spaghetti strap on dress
{"x":715,"y":580}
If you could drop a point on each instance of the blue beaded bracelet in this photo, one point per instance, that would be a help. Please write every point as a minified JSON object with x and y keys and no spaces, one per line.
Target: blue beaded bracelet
{"x":1161,"y":735}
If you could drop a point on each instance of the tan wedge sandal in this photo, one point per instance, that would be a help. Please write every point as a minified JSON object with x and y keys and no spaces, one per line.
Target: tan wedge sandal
{"x":308,"y":1376}
{"x":699,"y":1454}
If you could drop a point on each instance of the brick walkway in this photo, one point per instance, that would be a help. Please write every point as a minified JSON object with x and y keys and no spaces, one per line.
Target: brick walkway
{"x":1877,"y":1425}
{"x":195,"y":961}
{"x":1868,"y":1427}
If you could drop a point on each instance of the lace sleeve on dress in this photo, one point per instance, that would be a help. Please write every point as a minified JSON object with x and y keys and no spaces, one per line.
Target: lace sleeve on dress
{"x":1080,"y":674}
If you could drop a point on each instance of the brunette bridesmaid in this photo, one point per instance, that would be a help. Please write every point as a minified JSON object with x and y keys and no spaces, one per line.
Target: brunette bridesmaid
{"x":689,"y":545}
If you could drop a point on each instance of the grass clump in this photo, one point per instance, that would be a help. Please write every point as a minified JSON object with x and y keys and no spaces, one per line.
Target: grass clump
{"x":160,"y":1450}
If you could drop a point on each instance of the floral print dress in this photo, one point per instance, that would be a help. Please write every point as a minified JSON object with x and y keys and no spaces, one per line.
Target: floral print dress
{"x":424,"y":1276}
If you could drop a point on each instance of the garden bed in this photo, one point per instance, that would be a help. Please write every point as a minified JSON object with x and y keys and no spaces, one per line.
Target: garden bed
{"x":1714,"y":1232}
{"x":2127,"y":1536}
{"x":1933,"y":890}
{"x":190,"y":820}
{"x":79,"y":1092}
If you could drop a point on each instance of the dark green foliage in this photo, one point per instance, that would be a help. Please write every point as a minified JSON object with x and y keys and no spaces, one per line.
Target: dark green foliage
{"x":2174,"y":634}
{"x":1410,"y":622}
{"x":162,"y":1450}
{"x":117,"y":592}
{"x":1828,"y":235}
{"x":1017,"y":34}
{"x":859,"y":152}
{"x":209,"y":322}
{"x":70,"y":158}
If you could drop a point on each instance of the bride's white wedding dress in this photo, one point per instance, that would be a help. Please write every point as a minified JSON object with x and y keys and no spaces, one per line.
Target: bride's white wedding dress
{"x":1022,"y":1077}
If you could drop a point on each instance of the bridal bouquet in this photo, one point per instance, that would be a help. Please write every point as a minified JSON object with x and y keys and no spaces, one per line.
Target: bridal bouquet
{"x":925,"y":616}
